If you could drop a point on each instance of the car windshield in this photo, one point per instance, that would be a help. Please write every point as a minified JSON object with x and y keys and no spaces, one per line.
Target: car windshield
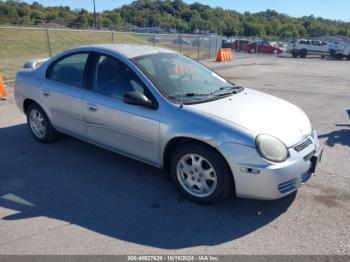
{"x":183,"y":79}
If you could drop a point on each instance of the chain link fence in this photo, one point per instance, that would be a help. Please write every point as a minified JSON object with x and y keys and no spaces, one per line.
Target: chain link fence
{"x":20,"y":44}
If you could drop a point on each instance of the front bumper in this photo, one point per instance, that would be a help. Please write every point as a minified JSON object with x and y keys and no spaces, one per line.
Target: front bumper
{"x":273,"y":180}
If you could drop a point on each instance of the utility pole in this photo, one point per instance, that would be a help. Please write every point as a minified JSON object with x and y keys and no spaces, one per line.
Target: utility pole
{"x":94,"y":14}
{"x":174,"y":20}
{"x":148,"y":19}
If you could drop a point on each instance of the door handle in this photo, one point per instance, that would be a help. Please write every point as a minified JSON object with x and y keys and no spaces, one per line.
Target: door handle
{"x":46,"y":93}
{"x":92,"y":107}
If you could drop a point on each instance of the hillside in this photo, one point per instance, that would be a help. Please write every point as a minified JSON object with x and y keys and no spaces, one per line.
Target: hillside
{"x":189,"y":18}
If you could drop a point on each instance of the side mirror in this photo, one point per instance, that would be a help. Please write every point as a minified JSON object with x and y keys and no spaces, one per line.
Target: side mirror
{"x":138,"y":98}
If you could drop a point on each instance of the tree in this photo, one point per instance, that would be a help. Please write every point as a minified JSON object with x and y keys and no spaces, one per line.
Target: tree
{"x":168,"y":13}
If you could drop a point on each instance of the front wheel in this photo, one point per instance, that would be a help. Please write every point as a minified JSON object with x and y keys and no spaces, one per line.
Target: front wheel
{"x":39,"y":124}
{"x":201,"y":174}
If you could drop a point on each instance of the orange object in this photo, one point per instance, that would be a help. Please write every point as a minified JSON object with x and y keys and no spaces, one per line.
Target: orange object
{"x":224,"y":54}
{"x":180,"y":68}
{"x":3,"y":91}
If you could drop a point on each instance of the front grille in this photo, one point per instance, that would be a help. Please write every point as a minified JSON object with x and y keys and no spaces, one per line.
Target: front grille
{"x":288,"y":186}
{"x":303,"y":145}
{"x":309,"y":156}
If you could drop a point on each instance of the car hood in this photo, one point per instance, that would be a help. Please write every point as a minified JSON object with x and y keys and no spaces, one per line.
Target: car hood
{"x":260,"y":113}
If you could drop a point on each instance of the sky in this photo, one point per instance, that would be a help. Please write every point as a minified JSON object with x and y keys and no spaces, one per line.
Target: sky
{"x":335,"y":9}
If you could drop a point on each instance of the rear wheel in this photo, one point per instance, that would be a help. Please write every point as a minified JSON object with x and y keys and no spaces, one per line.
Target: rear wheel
{"x":253,"y":51}
{"x":303,"y":53}
{"x":295,"y":54}
{"x":348,"y":57}
{"x":201,"y":173}
{"x":39,"y":124}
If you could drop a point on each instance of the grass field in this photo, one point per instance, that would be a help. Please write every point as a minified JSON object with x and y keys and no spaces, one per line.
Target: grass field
{"x":18,"y":45}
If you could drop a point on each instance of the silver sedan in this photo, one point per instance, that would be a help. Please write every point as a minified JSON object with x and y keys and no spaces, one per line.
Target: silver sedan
{"x":214,"y":138}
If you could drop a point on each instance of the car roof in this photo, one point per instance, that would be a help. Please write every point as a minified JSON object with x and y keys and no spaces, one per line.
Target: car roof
{"x":128,"y":50}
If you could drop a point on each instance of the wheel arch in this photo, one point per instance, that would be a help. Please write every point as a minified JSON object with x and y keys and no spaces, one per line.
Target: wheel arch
{"x":175,"y":142}
{"x":27,"y":102}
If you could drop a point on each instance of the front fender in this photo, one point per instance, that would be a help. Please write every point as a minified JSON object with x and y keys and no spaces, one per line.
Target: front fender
{"x":179,"y":122}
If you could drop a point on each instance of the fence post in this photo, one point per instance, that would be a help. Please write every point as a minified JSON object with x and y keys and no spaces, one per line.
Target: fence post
{"x":209,"y":55}
{"x":198,"y":47}
{"x":154,"y":40}
{"x":48,"y":41}
{"x":216,"y":45}
{"x":112,"y":37}
{"x":180,"y":42}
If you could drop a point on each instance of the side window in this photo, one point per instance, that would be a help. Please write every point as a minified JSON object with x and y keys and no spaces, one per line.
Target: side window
{"x":69,"y":70}
{"x":316,"y":43}
{"x":304,"y":42}
{"x":112,"y":77}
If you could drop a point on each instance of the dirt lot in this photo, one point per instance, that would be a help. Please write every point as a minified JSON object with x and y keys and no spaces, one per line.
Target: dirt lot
{"x":71,"y":197}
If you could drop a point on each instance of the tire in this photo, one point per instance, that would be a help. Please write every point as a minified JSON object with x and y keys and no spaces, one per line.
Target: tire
{"x":333,"y":55}
{"x":295,"y":54}
{"x":339,"y":56}
{"x":214,"y":184}
{"x":252,"y":51}
{"x":275,"y":52}
{"x":39,"y":124}
{"x":303,"y":53}
{"x":348,"y":57}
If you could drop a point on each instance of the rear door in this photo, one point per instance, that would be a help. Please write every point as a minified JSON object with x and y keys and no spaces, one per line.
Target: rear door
{"x":304,"y":44}
{"x":63,"y":92}
{"x":110,"y":122}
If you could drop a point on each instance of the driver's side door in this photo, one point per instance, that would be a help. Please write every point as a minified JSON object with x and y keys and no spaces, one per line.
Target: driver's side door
{"x":129,"y":129}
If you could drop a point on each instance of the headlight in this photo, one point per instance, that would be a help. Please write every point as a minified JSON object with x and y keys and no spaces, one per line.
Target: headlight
{"x":271,"y":148}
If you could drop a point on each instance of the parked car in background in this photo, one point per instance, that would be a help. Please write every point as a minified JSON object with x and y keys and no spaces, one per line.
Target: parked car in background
{"x":261,"y":47}
{"x":226,"y":43}
{"x":181,"y":41}
{"x":214,"y":138}
{"x":239,"y":43}
{"x":340,"y":50}
{"x":303,"y":47}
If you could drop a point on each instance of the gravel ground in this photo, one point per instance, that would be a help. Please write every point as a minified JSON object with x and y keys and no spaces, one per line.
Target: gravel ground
{"x":71,"y":197}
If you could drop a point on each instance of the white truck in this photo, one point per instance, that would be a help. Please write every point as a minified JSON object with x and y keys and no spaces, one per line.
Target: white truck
{"x":303,"y":47}
{"x":339,"y":50}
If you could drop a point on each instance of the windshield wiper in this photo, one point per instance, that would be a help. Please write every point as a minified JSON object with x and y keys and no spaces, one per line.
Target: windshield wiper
{"x":226,"y":90}
{"x":192,"y":95}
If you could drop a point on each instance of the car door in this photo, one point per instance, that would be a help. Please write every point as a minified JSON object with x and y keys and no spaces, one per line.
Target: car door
{"x":304,"y":44}
{"x":316,"y":46}
{"x":63,"y":92}
{"x":129,"y":129}
{"x":266,"y":48}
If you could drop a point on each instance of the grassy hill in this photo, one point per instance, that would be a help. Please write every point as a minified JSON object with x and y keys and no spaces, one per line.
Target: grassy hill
{"x":19,"y":45}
